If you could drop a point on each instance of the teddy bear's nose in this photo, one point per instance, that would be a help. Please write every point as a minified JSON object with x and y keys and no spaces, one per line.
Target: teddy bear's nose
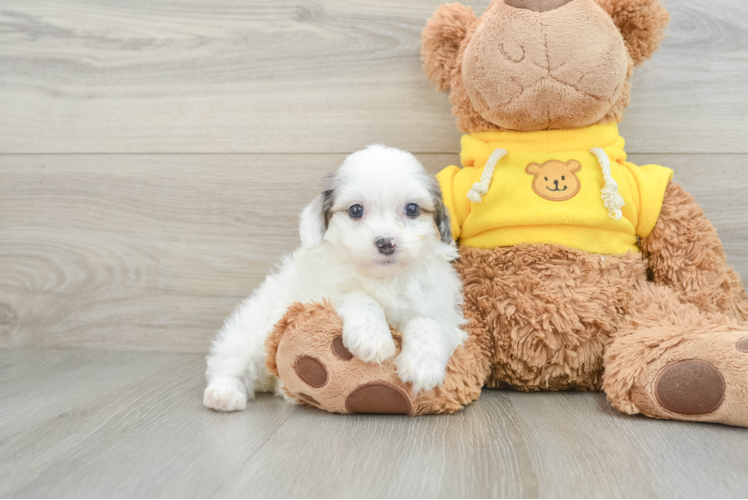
{"x":537,"y":5}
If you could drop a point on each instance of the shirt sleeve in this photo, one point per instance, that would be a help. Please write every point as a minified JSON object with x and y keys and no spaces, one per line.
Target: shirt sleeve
{"x":452,"y":181}
{"x":652,"y":181}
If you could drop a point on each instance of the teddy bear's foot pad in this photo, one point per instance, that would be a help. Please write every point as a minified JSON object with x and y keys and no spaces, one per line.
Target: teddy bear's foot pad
{"x":378,"y":397}
{"x":704,"y":378}
{"x":690,"y":387}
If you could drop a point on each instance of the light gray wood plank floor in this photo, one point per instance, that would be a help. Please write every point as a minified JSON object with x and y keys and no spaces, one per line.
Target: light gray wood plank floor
{"x":87,"y":424}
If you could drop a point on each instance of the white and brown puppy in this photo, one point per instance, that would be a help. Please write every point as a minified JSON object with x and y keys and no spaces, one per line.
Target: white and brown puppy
{"x":377,"y":243}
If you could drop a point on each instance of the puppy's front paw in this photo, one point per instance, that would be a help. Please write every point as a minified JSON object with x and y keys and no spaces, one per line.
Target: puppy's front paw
{"x":423,"y":371}
{"x":369,"y":340}
{"x":225,"y":397}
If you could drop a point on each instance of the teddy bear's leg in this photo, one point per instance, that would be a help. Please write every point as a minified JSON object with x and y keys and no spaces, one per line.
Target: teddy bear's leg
{"x":306,"y":351}
{"x":550,"y":310}
{"x":686,"y":254}
{"x":671,"y":360}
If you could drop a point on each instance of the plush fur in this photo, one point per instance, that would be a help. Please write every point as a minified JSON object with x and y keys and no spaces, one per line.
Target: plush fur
{"x":308,"y":330}
{"x":642,"y":24}
{"x":409,"y":284}
{"x":686,"y":254}
{"x":663,"y":332}
{"x":442,"y":38}
{"x":517,"y":69}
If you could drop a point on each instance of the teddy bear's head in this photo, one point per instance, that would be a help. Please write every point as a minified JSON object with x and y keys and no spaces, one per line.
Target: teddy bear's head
{"x":531,"y":65}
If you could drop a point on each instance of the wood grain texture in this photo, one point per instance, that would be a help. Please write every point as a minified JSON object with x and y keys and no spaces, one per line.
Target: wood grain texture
{"x":144,"y":251}
{"x":151,"y":252}
{"x":133,"y":425}
{"x":268,"y":76}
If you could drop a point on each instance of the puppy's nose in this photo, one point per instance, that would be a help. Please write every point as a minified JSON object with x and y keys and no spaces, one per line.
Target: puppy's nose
{"x":386,"y":246}
{"x":537,"y":5}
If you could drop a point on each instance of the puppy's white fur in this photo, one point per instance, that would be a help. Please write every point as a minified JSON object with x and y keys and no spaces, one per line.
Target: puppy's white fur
{"x":415,"y":289}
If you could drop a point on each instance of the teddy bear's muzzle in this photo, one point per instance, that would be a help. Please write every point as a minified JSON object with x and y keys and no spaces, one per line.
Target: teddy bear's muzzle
{"x":537,"y":5}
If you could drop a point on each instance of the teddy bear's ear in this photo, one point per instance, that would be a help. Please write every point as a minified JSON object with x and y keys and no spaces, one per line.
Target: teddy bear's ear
{"x":533,"y":169}
{"x":642,"y":24}
{"x":441,"y":40}
{"x":574,"y":166}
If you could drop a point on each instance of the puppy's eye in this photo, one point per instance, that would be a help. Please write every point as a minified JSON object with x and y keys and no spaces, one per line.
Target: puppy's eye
{"x":356,"y":211}
{"x":412,"y":210}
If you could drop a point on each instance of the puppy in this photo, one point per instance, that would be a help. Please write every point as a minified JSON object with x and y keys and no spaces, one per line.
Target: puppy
{"x":377,"y":243}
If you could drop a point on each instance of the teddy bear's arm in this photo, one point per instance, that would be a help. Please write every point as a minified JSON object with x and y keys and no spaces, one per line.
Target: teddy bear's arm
{"x":686,"y":254}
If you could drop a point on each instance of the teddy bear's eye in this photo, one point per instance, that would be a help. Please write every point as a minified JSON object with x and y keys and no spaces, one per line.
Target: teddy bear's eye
{"x":546,"y":178}
{"x":563,"y":177}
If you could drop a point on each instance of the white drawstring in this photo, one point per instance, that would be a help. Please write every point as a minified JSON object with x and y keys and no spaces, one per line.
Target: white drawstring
{"x":481,"y":188}
{"x":611,"y":196}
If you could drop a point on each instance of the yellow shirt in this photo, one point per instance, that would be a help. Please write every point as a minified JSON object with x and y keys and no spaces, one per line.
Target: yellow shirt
{"x":547,"y":189}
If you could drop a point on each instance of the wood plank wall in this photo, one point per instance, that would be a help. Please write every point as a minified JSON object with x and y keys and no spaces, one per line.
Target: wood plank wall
{"x":154,"y":155}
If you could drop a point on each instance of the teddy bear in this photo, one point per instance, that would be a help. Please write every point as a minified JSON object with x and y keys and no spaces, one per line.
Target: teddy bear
{"x":581,"y":270}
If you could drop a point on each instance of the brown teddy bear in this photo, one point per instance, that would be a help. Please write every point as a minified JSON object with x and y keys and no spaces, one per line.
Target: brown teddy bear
{"x":581,"y":270}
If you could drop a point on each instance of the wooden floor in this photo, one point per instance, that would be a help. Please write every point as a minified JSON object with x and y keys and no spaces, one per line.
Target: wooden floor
{"x":154,"y":157}
{"x":132,"y":424}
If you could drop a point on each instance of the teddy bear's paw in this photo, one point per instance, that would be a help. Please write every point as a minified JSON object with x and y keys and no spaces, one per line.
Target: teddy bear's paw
{"x":225,"y":397}
{"x":316,"y":368}
{"x":334,"y":379}
{"x":704,"y":380}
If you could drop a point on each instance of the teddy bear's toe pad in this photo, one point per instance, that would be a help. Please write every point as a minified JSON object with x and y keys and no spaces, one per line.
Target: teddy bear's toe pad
{"x":742,"y":345}
{"x":312,"y":371}
{"x":378,"y":397}
{"x":340,"y":349}
{"x":690,"y":387}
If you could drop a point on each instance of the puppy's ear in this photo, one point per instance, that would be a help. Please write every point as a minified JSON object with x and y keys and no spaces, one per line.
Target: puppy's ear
{"x":441,"y":214}
{"x":316,"y":218}
{"x":441,"y":40}
{"x":642,"y":24}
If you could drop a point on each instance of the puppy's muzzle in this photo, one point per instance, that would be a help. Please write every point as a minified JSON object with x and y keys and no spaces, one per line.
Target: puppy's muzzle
{"x":386,"y":246}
